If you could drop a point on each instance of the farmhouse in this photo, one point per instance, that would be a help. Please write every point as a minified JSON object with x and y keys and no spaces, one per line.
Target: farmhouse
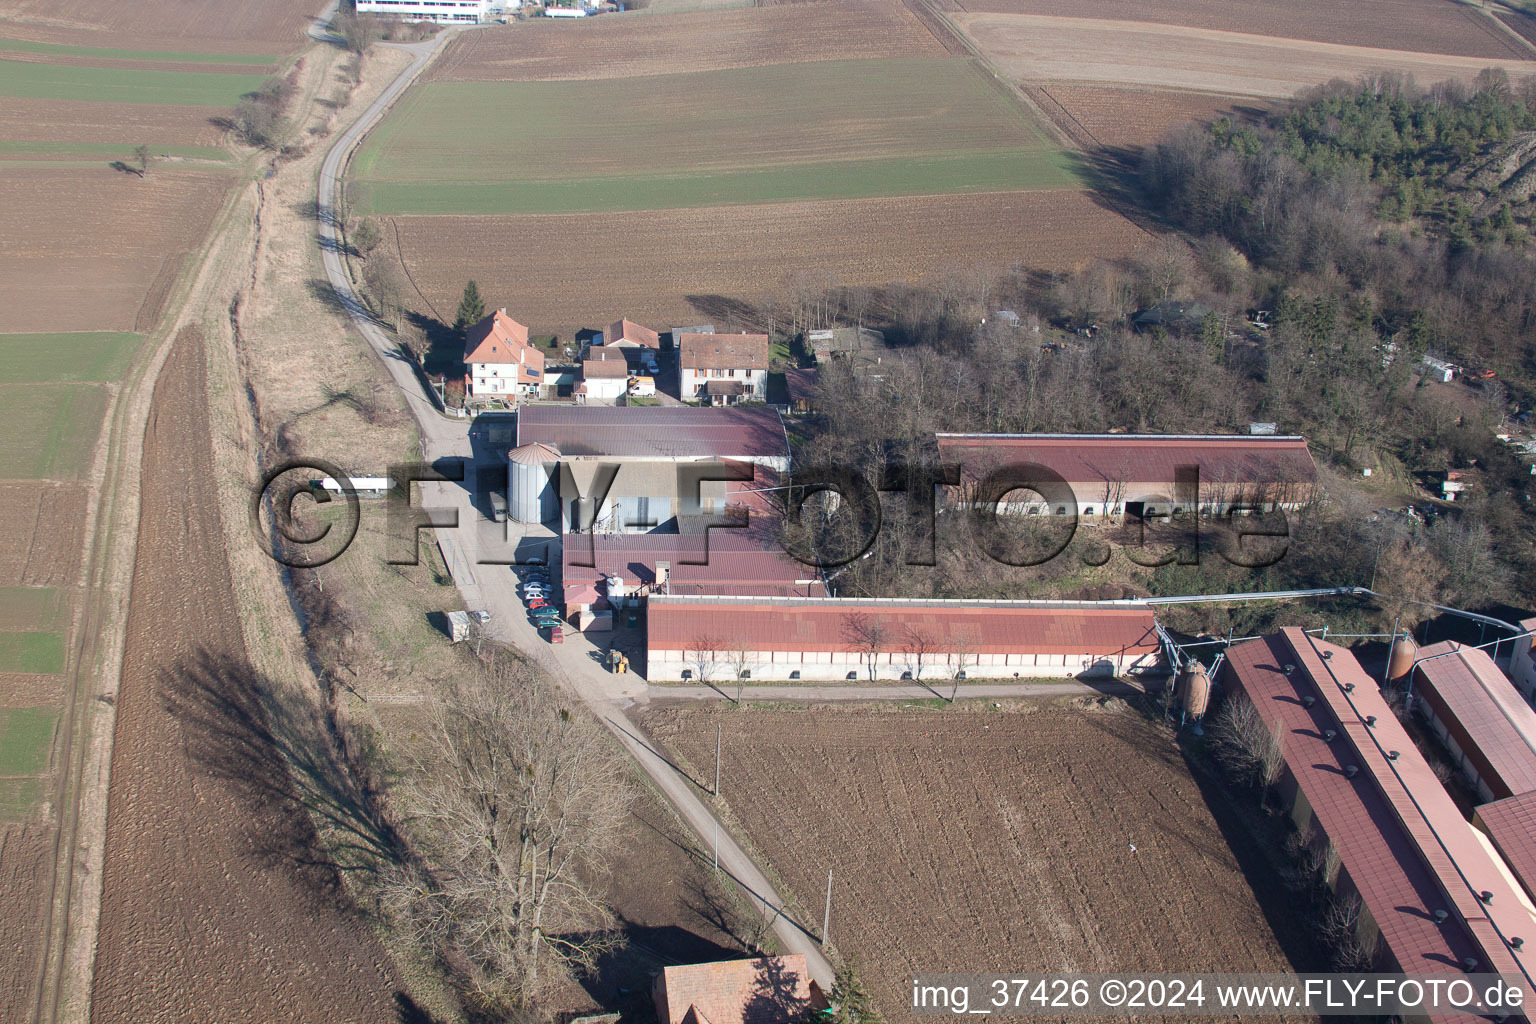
{"x":627,"y":334}
{"x":1140,"y":475}
{"x":883,"y":638}
{"x":772,"y":990}
{"x":605,"y":374}
{"x":636,"y":470}
{"x":1435,"y":898}
{"x":1479,"y":716}
{"x":500,"y":360}
{"x":723,"y":369}
{"x":443,"y":12}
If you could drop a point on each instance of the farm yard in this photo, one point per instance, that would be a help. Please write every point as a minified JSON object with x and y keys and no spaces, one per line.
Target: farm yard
{"x":697,"y":259}
{"x":1027,"y":837}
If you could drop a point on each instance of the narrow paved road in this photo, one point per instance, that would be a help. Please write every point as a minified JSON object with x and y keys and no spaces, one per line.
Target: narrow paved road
{"x":444,"y":437}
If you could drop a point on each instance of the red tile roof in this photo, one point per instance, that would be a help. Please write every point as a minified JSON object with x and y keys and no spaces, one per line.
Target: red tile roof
{"x":723,"y":351}
{"x":1400,"y":838}
{"x":1142,"y":458}
{"x":1480,"y":708}
{"x":657,"y":432}
{"x":500,"y":339}
{"x":801,"y":383}
{"x":599,"y":367}
{"x":631,"y":333}
{"x":1511,"y":825}
{"x":990,"y":627}
{"x":773,"y":990}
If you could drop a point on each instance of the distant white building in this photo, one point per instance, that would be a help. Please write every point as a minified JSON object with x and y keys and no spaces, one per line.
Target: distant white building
{"x":444,"y":12}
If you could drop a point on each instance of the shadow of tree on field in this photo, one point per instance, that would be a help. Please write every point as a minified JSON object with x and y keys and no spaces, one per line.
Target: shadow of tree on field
{"x":726,"y":313}
{"x":118,"y":165}
{"x":282,"y":757}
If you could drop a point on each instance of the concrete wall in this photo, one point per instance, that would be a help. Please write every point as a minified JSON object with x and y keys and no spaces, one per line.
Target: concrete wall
{"x":669,"y":665}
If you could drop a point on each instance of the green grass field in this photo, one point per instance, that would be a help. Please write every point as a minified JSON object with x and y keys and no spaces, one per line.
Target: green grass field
{"x":48,"y":430}
{"x":828,"y":130}
{"x":107,"y":53}
{"x":26,"y":735}
{"x":31,"y":652}
{"x":26,"y":609}
{"x":123,"y":85}
{"x":47,"y":358}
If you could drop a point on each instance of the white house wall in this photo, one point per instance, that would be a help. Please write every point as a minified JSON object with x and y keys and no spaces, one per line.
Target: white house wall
{"x":767,"y":666}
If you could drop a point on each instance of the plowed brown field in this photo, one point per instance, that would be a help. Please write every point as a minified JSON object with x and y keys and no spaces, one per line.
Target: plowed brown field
{"x":210,"y":910}
{"x":1041,"y":48}
{"x":1059,"y":837}
{"x":1426,"y":26}
{"x":562,"y":273}
{"x":85,"y":247}
{"x":704,"y":41}
{"x":1132,"y":117}
{"x":26,"y":860}
{"x":205,"y":26}
{"x":43,"y":523}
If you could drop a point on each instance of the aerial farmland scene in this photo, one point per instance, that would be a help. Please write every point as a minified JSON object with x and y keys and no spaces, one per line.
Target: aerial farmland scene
{"x":731,"y":512}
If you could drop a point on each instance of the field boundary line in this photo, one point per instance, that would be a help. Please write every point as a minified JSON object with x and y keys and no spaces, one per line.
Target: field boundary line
{"x":1501,"y":26}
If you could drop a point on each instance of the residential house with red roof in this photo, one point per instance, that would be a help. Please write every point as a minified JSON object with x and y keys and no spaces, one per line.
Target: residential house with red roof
{"x":723,"y":369}
{"x":890,"y":638}
{"x":501,"y":361}
{"x":770,"y":990}
{"x":1142,"y":475}
{"x":628,"y":334}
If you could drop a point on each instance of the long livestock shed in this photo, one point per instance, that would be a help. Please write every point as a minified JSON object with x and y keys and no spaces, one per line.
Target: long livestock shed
{"x":880,"y":638}
{"x":1435,"y":897}
{"x":1479,"y":716}
{"x":1109,"y":475}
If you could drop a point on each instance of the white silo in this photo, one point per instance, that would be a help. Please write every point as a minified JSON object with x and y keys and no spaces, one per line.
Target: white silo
{"x":531,"y":489}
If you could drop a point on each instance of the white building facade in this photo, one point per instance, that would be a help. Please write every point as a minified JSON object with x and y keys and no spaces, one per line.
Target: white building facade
{"x":443,"y":12}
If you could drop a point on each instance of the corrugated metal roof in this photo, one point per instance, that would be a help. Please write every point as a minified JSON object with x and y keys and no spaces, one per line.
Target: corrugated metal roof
{"x":1511,"y":824}
{"x":654,"y":431}
{"x":820,"y":624}
{"x":1479,"y":706}
{"x":729,"y":561}
{"x":1404,"y":844}
{"x":1142,"y":458}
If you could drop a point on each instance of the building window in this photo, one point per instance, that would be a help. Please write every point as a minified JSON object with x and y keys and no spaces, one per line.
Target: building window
{"x":1088,"y":511}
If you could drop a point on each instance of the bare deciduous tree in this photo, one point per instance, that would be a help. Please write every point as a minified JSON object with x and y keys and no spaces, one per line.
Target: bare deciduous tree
{"x":511,"y":802}
{"x":703,"y":656}
{"x":920,"y":646}
{"x":742,"y":662}
{"x":1244,"y":744}
{"x":867,"y":634}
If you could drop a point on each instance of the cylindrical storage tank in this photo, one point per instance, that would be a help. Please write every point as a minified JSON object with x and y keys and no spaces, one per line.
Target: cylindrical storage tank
{"x":1400,"y":661}
{"x":531,"y":494}
{"x":1195,"y":688}
{"x":618,"y":593}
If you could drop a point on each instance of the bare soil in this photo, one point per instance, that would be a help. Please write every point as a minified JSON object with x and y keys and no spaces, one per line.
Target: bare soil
{"x":1425,"y":26}
{"x":625,"y":47}
{"x":215,"y":902}
{"x":1042,"y":48}
{"x":684,"y":266}
{"x":86,"y":245}
{"x":43,"y":522}
{"x":1127,"y":117}
{"x":125,"y":124}
{"x":201,"y":26}
{"x":1054,"y":836}
{"x":26,"y":862}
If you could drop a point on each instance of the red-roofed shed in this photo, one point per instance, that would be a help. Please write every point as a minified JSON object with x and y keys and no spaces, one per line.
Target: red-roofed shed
{"x":1477,"y":713}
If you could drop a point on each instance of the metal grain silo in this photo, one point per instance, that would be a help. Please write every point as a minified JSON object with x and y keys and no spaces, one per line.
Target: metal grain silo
{"x":531,"y":489}
{"x":1195,"y":689}
{"x":1400,"y":661}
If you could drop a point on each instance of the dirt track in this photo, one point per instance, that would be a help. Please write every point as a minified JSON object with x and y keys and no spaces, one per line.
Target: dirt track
{"x":207,"y":913}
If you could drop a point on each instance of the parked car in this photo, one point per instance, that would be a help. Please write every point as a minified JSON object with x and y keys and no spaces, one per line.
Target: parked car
{"x":536,"y":603}
{"x":556,"y":635}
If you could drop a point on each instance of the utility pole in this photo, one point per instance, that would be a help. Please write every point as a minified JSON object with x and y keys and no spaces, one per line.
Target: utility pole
{"x":1386,"y":675}
{"x":717,"y":760}
{"x":717,"y":846}
{"x":826,"y":916}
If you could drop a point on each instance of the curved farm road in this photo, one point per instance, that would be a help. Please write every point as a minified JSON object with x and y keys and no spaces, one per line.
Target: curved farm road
{"x":209,"y":911}
{"x":441,"y":437}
